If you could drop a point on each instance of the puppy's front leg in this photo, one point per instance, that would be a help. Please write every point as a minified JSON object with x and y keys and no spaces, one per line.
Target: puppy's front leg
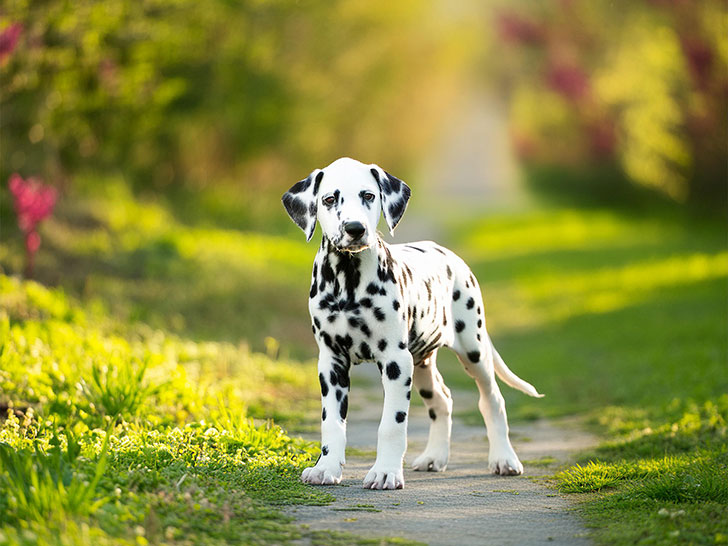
{"x":334,"y":379}
{"x":396,"y":368}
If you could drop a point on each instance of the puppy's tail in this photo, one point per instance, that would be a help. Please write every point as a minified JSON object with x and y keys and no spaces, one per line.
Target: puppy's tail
{"x":511,"y":379}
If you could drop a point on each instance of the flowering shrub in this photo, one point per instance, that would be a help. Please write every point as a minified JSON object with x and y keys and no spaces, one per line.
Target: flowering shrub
{"x":9,"y":39}
{"x":33,"y":202}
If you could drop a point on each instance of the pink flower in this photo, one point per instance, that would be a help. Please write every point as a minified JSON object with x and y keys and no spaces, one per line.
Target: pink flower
{"x":33,"y":202}
{"x":9,"y":39}
{"x":569,"y":80}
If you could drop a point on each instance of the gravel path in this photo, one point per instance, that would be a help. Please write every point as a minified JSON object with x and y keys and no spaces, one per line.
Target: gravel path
{"x":465,"y":505}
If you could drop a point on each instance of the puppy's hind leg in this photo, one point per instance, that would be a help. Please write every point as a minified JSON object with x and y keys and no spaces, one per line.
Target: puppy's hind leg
{"x":476,"y":353}
{"x":429,"y":384}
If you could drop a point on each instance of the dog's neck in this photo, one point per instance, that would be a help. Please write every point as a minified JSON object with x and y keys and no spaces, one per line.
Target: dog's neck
{"x":368,"y":261}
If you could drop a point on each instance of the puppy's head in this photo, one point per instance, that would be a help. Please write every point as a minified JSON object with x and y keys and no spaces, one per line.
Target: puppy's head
{"x":347,"y":198}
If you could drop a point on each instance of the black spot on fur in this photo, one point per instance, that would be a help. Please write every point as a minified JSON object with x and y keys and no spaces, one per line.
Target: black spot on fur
{"x":459,"y":326}
{"x":296,"y":208}
{"x":474,"y":356}
{"x":400,"y":416}
{"x":317,"y":322}
{"x":449,"y":272}
{"x":409,"y":394}
{"x":402,"y":345}
{"x":480,"y":323}
{"x":395,"y":305}
{"x":365,"y":302}
{"x":331,"y":318}
{"x":324,"y":386}
{"x":372,"y":289}
{"x":366,"y":352}
{"x":354,"y":322}
{"x":470,"y":303}
{"x":408,"y":382}
{"x":323,"y":414}
{"x":344,"y":407}
{"x":456,"y":295}
{"x":432,"y":414}
{"x":426,"y":393}
{"x":396,"y":209}
{"x":325,"y":450}
{"x":382,"y":344}
{"x":301,"y":185}
{"x":393,"y":371}
{"x":378,"y":314}
{"x":414,"y":248}
{"x":365,"y":330}
{"x":478,"y":310}
{"x":339,"y":392}
{"x":317,"y":183}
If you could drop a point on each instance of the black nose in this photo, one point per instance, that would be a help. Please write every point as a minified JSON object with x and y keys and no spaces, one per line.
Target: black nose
{"x":355,"y":229}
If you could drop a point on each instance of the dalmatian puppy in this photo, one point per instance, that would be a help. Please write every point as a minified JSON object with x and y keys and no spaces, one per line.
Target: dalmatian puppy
{"x":394,"y":305}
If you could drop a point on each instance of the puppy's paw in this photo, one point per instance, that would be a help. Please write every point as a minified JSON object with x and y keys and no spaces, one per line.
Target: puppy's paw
{"x":384,"y":477}
{"x":505,"y":462}
{"x":431,"y":461}
{"x":322,"y":474}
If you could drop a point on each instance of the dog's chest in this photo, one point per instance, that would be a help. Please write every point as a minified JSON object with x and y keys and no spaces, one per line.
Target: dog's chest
{"x":355,"y":309}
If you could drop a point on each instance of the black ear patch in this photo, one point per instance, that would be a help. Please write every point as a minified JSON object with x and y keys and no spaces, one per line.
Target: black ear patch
{"x":300,"y":202}
{"x":395,"y":195}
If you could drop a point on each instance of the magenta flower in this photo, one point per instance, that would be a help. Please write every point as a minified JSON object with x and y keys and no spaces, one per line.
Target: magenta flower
{"x":33,"y":202}
{"x":9,"y":39}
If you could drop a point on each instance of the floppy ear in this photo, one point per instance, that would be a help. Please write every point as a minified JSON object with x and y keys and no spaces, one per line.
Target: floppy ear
{"x":394,"y":195}
{"x":300,"y":202}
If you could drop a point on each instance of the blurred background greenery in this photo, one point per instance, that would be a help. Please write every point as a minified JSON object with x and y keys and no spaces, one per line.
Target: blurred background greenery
{"x":178,"y":96}
{"x":171,"y":127}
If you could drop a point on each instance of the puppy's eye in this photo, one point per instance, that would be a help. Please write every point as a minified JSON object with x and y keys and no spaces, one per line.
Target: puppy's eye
{"x":329,"y":200}
{"x":369,"y":196}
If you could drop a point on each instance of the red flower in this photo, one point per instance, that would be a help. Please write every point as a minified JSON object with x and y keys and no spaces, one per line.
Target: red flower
{"x":33,"y":202}
{"x":9,"y":39}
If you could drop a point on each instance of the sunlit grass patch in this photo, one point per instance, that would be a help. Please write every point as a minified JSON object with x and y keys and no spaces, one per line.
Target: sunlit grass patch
{"x":669,"y":479}
{"x":115,"y":433}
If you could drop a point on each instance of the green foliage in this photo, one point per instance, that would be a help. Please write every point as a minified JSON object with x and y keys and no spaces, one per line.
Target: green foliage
{"x":116,"y":388}
{"x":44,"y":485}
{"x":637,"y":87}
{"x":203,"y":93}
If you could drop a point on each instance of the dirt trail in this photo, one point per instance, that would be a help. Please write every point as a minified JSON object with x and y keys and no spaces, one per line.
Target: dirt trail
{"x":465,"y":505}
